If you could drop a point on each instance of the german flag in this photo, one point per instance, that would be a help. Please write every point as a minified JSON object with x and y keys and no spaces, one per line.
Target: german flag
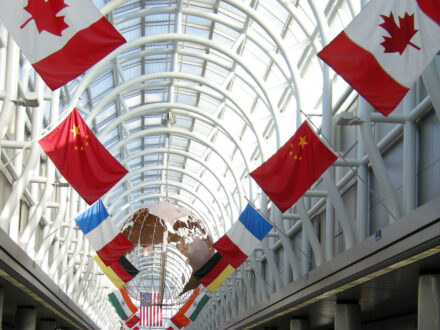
{"x":119,"y":272}
{"x":214,"y":272}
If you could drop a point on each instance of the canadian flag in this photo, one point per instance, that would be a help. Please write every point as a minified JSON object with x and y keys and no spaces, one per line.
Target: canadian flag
{"x":61,"y":38}
{"x":383,"y":51}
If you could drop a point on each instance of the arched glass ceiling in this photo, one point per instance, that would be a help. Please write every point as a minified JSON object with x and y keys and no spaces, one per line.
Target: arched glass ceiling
{"x":202,"y":93}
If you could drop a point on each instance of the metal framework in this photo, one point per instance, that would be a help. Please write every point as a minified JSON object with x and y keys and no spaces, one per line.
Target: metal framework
{"x":201,"y":94}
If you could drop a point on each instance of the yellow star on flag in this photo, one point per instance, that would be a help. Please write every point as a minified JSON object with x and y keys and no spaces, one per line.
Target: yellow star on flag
{"x":302,"y":142}
{"x":75,"y":131}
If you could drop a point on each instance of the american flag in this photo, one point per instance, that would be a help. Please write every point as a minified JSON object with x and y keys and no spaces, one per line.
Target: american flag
{"x":151,"y":314}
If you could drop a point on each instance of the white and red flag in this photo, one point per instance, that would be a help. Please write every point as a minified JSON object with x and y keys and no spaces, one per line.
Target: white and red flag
{"x":383,"y":51}
{"x":61,"y":38}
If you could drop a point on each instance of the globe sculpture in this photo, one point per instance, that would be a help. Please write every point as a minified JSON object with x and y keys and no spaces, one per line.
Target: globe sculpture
{"x":169,"y":244}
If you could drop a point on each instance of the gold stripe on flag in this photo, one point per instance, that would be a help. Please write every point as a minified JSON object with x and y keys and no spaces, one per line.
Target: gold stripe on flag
{"x":116,"y":280}
{"x":214,"y":285}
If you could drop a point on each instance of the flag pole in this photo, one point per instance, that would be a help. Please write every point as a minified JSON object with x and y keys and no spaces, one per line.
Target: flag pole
{"x":275,"y":226}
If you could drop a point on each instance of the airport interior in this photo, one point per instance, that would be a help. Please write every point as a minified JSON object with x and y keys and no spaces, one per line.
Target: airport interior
{"x":201,"y":94}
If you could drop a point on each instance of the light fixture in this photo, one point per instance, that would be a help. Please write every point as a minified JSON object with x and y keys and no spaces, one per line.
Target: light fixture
{"x":168,"y":119}
{"x":30,"y":99}
{"x":347,"y":118}
{"x":58,"y":183}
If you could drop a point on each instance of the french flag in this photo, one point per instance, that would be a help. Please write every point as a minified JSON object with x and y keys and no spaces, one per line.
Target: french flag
{"x":102,"y":233}
{"x":243,"y":237}
{"x":384,"y":50}
{"x":61,"y":38}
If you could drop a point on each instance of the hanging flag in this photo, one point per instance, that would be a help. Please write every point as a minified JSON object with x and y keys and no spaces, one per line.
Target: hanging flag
{"x":61,"y":39}
{"x":83,"y":161}
{"x":119,"y":272}
{"x":173,"y":327}
{"x":190,"y":301}
{"x":181,"y":319}
{"x":287,"y":175}
{"x":132,"y":321}
{"x":175,"y":323}
{"x":102,"y":234}
{"x":150,"y":311}
{"x":197,"y":307}
{"x":383,"y":51}
{"x":122,"y":303}
{"x":214,"y":272}
{"x":181,"y":314}
{"x":243,"y":237}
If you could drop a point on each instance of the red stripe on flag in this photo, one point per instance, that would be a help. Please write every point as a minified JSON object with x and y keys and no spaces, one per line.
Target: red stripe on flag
{"x":132,"y":321}
{"x":231,"y":252}
{"x":154,"y":309}
{"x":82,"y":51}
{"x":151,"y":318}
{"x":160,"y":316}
{"x":121,"y":272}
{"x":431,"y":8}
{"x":214,"y":272}
{"x":362,"y":71}
{"x":113,"y":250}
{"x":176,"y":322}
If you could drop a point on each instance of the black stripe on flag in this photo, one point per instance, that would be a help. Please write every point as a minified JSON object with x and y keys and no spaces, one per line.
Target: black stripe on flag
{"x":128,"y":266}
{"x":208,"y":266}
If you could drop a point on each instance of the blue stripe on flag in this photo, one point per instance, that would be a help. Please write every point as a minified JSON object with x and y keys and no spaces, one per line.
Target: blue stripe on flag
{"x":92,"y":217}
{"x":254,"y":222}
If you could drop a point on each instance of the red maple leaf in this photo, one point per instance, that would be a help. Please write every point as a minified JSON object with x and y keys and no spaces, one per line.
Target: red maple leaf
{"x":399,"y":37}
{"x":44,"y":12}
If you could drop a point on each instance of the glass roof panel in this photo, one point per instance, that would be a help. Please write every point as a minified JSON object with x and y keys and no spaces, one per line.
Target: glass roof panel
{"x":173,"y":121}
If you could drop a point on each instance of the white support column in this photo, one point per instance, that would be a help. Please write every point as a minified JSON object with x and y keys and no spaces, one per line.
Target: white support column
{"x":362,"y":195}
{"x":348,"y":317}
{"x":377,"y":162}
{"x":299,"y":324}
{"x":26,"y":318}
{"x":329,"y":230}
{"x":239,"y":293}
{"x":268,"y":252}
{"x":12,"y":68}
{"x":410,"y":158}
{"x":226,"y":305}
{"x":260,"y":282}
{"x":250,"y":294}
{"x":333,"y":192}
{"x":431,"y":79}
{"x":306,"y":253}
{"x":20,"y":185}
{"x":340,"y":209}
{"x":428,"y":317}
{"x":289,"y":253}
{"x":218,"y":307}
{"x":310,"y":233}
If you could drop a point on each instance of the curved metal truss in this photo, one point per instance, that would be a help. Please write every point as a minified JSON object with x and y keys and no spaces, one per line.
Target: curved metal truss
{"x":202,"y":93}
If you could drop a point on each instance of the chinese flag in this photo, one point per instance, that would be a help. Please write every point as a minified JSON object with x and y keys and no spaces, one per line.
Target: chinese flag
{"x":83,"y":161}
{"x":287,"y":175}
